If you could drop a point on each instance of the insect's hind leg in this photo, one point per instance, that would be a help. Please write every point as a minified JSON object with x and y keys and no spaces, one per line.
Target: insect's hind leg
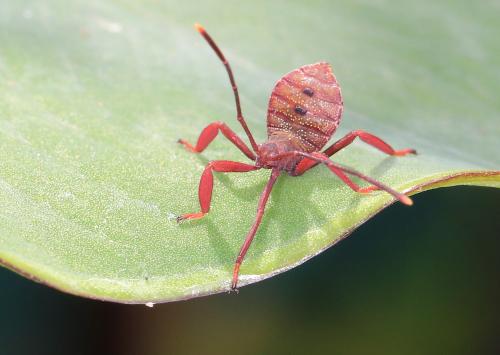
{"x":339,"y":170}
{"x":207,"y":182}
{"x":343,"y":142}
{"x":208,"y":135}
{"x":307,"y":164}
{"x":350,"y":183}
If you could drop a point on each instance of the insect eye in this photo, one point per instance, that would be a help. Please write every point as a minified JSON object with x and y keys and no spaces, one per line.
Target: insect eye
{"x":308,"y":92}
{"x":300,"y":110}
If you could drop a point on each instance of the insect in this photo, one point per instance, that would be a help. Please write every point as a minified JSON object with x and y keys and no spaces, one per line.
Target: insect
{"x":304,"y":111}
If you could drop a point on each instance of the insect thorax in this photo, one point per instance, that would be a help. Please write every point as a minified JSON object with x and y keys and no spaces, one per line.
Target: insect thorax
{"x":274,"y":148}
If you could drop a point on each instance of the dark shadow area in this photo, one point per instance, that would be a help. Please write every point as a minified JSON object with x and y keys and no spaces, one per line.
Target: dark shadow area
{"x":419,"y":280}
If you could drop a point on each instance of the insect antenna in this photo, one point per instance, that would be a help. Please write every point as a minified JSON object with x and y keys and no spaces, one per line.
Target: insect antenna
{"x":219,"y":53}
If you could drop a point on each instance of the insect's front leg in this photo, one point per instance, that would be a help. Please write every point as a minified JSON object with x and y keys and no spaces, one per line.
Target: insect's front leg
{"x":208,"y":135}
{"x":253,"y":230}
{"x":207,"y":182}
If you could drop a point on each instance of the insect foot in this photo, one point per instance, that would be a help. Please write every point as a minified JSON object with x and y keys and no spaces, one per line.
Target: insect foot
{"x":403,"y":152}
{"x":187,"y":145}
{"x":188,"y":216}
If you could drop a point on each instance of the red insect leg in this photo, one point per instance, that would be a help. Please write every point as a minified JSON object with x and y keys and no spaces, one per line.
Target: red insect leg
{"x":207,"y":182}
{"x":351,"y":183}
{"x":208,"y":135}
{"x":401,"y":197}
{"x":251,"y":234}
{"x":369,"y":139}
{"x":334,"y":167}
{"x":343,"y":142}
{"x":239,"y":115}
{"x":308,"y":164}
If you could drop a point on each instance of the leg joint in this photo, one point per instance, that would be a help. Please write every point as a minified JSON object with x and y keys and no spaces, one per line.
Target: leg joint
{"x":358,"y":132}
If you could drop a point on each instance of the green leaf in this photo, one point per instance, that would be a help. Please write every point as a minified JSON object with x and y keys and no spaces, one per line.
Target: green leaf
{"x":94,"y":95}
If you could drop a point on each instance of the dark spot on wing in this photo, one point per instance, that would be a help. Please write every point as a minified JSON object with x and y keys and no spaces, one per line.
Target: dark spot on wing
{"x":300,"y":110}
{"x":308,"y":92}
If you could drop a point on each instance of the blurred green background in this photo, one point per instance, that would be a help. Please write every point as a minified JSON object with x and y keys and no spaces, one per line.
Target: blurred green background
{"x":419,"y":280}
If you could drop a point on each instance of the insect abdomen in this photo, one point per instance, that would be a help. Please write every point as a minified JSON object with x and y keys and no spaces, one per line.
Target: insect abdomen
{"x":305,"y":107}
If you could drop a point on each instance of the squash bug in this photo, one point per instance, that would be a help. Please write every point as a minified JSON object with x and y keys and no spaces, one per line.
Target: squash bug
{"x":304,"y":111}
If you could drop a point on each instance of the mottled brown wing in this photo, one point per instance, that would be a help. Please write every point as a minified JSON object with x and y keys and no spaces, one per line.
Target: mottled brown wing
{"x":305,"y":106}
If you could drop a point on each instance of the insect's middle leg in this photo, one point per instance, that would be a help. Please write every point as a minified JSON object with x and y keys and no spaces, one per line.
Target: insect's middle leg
{"x":343,"y":142}
{"x":207,"y":182}
{"x":370,"y":139}
{"x":208,"y":135}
